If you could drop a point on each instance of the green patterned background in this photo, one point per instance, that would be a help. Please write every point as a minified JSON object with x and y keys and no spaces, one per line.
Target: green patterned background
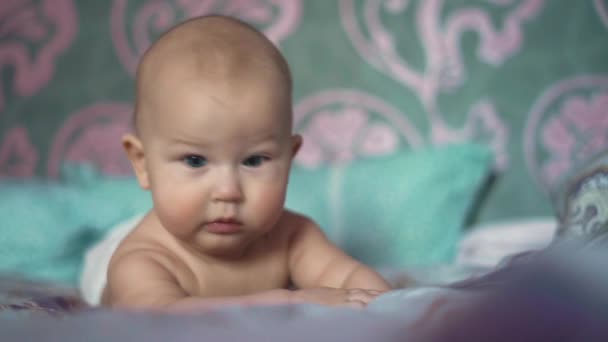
{"x":527,"y":77}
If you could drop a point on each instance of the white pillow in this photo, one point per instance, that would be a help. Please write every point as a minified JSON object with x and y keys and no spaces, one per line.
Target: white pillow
{"x":487,"y":244}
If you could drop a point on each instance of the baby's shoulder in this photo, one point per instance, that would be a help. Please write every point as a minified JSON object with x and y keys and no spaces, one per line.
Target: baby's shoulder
{"x":144,"y":242}
{"x":295,"y":224}
{"x":291,"y":220}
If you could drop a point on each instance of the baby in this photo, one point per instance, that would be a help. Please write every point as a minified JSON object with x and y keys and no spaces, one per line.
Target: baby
{"x":213,"y":143}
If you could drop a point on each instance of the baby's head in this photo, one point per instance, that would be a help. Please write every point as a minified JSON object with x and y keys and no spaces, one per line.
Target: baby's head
{"x":213,"y":138}
{"x":215,"y":50}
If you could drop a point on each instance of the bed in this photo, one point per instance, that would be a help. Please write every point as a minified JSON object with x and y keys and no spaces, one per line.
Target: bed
{"x":461,"y":134}
{"x":535,"y":296}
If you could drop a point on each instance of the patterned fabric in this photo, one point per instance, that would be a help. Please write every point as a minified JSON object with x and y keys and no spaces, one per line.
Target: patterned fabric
{"x":19,"y":297}
{"x":527,"y":77}
{"x":585,"y":205}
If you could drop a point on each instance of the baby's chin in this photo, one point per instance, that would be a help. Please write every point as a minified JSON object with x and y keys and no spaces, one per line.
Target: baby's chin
{"x":222,"y":246}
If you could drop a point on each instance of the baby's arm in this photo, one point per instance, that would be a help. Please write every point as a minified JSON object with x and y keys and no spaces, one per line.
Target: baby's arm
{"x":143,"y":280}
{"x":315,"y":262}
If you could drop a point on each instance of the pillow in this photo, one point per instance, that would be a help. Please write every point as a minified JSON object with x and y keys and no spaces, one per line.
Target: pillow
{"x":488,"y":244}
{"x":384,"y":211}
{"x":47,"y":226}
{"x":38,"y":229}
{"x":403,"y":209}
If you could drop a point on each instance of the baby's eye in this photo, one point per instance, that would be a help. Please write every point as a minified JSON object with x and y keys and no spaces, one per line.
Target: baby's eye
{"x":254,"y":161}
{"x":195,"y":161}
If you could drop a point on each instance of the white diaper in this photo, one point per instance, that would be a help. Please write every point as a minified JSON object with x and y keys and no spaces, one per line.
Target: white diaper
{"x":97,"y":259}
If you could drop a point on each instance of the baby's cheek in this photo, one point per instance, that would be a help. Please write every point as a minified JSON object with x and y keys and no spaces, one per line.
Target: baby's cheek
{"x":178,"y":209}
{"x":268,"y":200}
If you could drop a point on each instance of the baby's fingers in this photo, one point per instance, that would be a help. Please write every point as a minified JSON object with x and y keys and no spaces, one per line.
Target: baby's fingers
{"x":360,"y":295}
{"x":375,"y":292}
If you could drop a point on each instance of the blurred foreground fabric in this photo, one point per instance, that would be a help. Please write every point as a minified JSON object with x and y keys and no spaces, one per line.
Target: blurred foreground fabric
{"x":559,"y":294}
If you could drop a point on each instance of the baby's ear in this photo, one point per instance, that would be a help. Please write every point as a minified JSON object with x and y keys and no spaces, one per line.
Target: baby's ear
{"x":135,"y":152}
{"x":296,"y":143}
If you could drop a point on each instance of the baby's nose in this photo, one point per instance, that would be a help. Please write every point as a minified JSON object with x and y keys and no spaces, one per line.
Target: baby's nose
{"x":228,"y":187}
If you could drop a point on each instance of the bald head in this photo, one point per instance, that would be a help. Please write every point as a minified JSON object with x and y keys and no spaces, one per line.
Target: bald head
{"x":208,"y":49}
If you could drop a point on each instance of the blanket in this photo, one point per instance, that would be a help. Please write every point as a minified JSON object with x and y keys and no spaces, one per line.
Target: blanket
{"x":558,"y":294}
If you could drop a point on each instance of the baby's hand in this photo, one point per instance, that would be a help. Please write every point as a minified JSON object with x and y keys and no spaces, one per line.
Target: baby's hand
{"x":355,"y":298}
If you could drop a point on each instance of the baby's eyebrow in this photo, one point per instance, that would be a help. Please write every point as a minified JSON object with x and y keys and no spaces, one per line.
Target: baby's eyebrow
{"x":188,"y":143}
{"x":269,"y":142}
{"x":272,"y":137}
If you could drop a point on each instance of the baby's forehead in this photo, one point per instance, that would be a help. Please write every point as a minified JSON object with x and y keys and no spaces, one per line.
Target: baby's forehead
{"x":211,"y":51}
{"x":203,"y":102}
{"x":214,"y":46}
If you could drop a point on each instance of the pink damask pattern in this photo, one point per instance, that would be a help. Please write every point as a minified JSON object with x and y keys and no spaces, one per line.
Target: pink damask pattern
{"x":444,"y":70}
{"x":93,"y":135}
{"x":601,"y":6}
{"x":47,"y":25}
{"x":276,"y":18}
{"x":18,"y":156}
{"x":567,"y":125}
{"x":338,"y":125}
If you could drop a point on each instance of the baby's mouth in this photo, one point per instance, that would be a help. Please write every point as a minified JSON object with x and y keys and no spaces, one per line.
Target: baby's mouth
{"x":223,"y":226}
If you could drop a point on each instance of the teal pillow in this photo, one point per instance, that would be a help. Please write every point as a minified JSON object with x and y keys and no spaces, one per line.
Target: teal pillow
{"x":403,"y":209}
{"x":47,"y":226}
{"x":118,"y":198}
{"x":41,"y":230}
{"x":400,"y":209}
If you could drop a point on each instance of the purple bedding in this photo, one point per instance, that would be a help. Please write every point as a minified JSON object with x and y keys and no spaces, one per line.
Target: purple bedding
{"x":20,"y":297}
{"x":556,"y":295}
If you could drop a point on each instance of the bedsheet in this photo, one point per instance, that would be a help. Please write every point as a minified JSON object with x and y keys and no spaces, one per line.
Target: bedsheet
{"x":24,"y":297}
{"x":559,"y":294}
{"x":20,"y":297}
